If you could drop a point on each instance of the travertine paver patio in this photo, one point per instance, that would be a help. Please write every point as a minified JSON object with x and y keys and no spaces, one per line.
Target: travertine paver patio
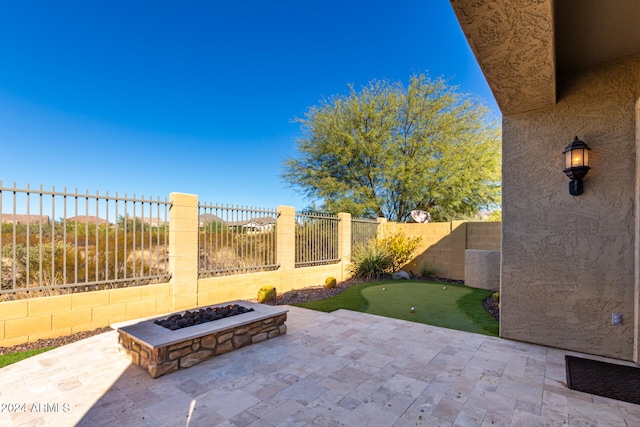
{"x":342,"y":368}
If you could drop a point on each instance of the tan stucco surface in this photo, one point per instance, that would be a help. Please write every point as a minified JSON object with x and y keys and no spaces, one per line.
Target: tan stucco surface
{"x":482,"y":269}
{"x":568,"y":262}
{"x":516,"y":44}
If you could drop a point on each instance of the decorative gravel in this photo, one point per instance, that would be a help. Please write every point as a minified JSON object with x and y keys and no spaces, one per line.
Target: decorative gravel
{"x":491,"y":305}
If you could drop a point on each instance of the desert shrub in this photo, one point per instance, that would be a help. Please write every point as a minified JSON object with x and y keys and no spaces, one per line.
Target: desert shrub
{"x":316,"y":239}
{"x":426,"y":270}
{"x":214,"y":227}
{"x":56,"y":261}
{"x":400,"y":248}
{"x":370,"y":261}
{"x":330,"y":282}
{"x":256,"y":249}
{"x":267,"y":294}
{"x":108,"y":256}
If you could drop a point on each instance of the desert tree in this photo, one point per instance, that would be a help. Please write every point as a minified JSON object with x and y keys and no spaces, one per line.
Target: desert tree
{"x":389,"y":149}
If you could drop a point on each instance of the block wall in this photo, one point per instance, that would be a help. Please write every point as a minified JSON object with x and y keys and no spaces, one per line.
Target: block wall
{"x":484,"y":235}
{"x":32,"y":319}
{"x":444,"y":244}
{"x":443,"y":247}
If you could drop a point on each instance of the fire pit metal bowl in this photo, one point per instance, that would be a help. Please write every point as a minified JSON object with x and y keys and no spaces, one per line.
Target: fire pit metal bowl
{"x":203,"y":315}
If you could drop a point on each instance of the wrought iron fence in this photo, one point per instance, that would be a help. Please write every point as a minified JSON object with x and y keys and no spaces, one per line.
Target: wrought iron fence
{"x":316,"y":239}
{"x":235,"y":240}
{"x":362,"y":231}
{"x":98,"y":242}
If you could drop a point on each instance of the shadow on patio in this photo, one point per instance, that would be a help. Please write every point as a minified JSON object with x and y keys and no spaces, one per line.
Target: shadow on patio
{"x":341,"y":368}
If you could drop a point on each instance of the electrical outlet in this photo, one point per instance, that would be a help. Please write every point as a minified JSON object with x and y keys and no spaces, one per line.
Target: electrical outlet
{"x":616,"y":319}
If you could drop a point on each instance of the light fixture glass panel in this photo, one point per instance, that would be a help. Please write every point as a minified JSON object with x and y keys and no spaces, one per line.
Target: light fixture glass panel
{"x":577,"y":157}
{"x":585,"y":156}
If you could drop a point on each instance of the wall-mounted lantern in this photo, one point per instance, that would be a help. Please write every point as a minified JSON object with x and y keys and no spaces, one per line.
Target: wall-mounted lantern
{"x":576,"y":164}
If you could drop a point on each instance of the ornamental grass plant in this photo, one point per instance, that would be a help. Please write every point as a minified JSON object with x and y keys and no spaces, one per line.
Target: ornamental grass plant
{"x":370,"y":261}
{"x":377,"y":258}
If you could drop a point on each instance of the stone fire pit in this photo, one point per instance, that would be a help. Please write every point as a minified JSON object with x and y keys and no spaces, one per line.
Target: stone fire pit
{"x":160,"y":350}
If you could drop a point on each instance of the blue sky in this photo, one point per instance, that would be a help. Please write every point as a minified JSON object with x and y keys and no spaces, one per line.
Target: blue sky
{"x":198,"y":97}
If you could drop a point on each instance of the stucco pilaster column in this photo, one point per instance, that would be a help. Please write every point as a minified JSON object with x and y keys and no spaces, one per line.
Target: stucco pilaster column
{"x":183,"y":250}
{"x":344,"y":242}
{"x":286,"y":238}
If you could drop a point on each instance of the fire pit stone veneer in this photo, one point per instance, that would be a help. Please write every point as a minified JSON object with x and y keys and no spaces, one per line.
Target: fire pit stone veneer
{"x":160,"y":350}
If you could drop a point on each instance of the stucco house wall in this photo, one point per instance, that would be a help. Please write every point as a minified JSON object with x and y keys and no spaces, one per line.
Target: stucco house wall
{"x":569,"y":262}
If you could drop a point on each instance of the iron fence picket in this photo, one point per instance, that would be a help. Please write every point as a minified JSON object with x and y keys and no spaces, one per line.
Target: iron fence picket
{"x":363,"y":230}
{"x":99,"y":246}
{"x":316,"y":239}
{"x":227,"y":245}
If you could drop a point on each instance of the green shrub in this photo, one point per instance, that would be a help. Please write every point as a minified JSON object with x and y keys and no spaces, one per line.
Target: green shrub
{"x":496,"y":296}
{"x":384,"y":256}
{"x":267,"y":294}
{"x":495,"y":216}
{"x":330,"y":283}
{"x":370,"y":261}
{"x":426,"y":270}
{"x":400,"y":248}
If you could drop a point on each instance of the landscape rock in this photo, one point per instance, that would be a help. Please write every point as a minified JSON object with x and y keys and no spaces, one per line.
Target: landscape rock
{"x":400,"y":275}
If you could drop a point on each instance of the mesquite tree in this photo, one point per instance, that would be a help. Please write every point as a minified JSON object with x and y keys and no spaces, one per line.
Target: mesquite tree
{"x":389,"y":149}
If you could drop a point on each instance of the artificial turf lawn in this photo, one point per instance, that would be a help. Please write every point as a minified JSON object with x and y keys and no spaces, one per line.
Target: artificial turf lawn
{"x":8,"y":359}
{"x":446,"y":305}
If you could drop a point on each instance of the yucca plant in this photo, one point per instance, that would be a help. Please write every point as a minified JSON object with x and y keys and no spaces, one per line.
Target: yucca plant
{"x":370,"y":261}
